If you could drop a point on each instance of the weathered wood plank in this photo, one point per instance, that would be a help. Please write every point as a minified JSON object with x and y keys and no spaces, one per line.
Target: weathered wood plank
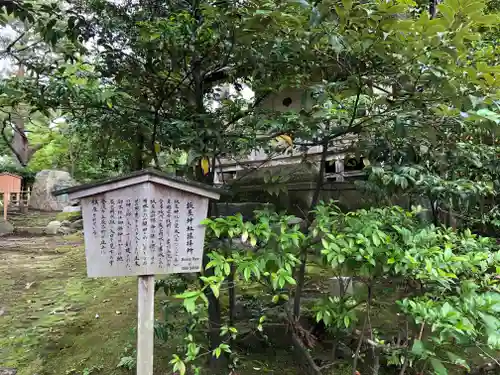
{"x":145,"y":321}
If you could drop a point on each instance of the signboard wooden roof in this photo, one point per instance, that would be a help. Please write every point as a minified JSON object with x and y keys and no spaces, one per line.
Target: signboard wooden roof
{"x":134,"y":178}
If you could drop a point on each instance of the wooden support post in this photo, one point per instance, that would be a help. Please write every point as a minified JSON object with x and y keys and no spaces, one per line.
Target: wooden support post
{"x":145,"y":330}
{"x":5,"y":205}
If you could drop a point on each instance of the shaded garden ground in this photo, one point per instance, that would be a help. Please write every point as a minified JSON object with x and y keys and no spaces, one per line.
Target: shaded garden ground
{"x":55,"y":320}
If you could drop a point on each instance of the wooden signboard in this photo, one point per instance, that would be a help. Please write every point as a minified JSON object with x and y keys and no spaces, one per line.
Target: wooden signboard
{"x":143,"y":224}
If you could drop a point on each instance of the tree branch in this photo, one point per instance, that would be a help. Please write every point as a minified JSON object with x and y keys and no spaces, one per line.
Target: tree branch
{"x":9,"y":144}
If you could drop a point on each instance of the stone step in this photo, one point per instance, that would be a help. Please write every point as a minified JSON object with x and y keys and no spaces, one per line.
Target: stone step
{"x":30,"y":230}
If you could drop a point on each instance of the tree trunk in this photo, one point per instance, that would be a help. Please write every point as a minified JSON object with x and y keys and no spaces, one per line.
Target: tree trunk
{"x":232,"y":294}
{"x":19,"y":144}
{"x":303,"y":256}
{"x":137,"y":159}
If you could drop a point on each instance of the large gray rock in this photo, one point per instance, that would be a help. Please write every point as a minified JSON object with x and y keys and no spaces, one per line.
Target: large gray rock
{"x":5,"y":227}
{"x":46,"y":182}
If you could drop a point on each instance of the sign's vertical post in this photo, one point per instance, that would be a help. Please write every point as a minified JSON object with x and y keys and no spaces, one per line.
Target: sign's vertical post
{"x":145,"y":324}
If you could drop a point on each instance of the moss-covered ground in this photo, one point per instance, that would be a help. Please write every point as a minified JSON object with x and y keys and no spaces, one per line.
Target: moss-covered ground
{"x":55,"y":320}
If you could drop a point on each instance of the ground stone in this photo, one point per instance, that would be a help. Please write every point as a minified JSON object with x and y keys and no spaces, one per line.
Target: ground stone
{"x":30,"y":230}
{"x":72,"y":209}
{"x":65,"y":230}
{"x":7,"y":371}
{"x":53,"y":227}
{"x":65,"y":223}
{"x":77,"y":225}
{"x":46,"y":182}
{"x":5,"y":228}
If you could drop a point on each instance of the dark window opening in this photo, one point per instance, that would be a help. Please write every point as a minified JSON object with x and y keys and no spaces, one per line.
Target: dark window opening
{"x":287,"y":101}
{"x":353,"y":164}
{"x":330,"y":167}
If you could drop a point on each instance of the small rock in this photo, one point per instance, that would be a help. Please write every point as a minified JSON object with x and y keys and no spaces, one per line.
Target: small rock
{"x":97,"y":316}
{"x":7,"y":371}
{"x":2,"y":311}
{"x":78,"y":224}
{"x":65,"y":223}
{"x":28,"y":285}
{"x":30,"y":230}
{"x":64,"y":230}
{"x":53,"y":227}
{"x":105,"y":300}
{"x":5,"y":228}
{"x":74,"y":308}
{"x":72,"y":209}
{"x":118,"y":312}
{"x":58,"y":310}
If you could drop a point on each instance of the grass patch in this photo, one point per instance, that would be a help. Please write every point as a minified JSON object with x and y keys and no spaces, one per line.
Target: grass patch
{"x":56,"y":321}
{"x":70,"y":216}
{"x":32,"y":218}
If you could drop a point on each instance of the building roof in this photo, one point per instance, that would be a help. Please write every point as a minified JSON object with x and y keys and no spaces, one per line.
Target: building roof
{"x":146,"y":175}
{"x":10,"y":174}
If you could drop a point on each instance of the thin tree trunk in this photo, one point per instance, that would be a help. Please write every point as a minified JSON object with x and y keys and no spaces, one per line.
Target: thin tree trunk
{"x":137,"y":160}
{"x":303,"y":260}
{"x":232,"y":294}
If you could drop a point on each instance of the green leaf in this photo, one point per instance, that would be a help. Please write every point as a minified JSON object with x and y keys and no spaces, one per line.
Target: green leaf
{"x":253,"y":240}
{"x":180,"y":367}
{"x":215,"y":289}
{"x":217,"y":352}
{"x":347,"y":321}
{"x":244,"y":236}
{"x":246,"y":274}
{"x":375,"y":239}
{"x":347,"y":5}
{"x":190,"y":304}
{"x":458,"y":360}
{"x":418,"y":348}
{"x":438,"y":367}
